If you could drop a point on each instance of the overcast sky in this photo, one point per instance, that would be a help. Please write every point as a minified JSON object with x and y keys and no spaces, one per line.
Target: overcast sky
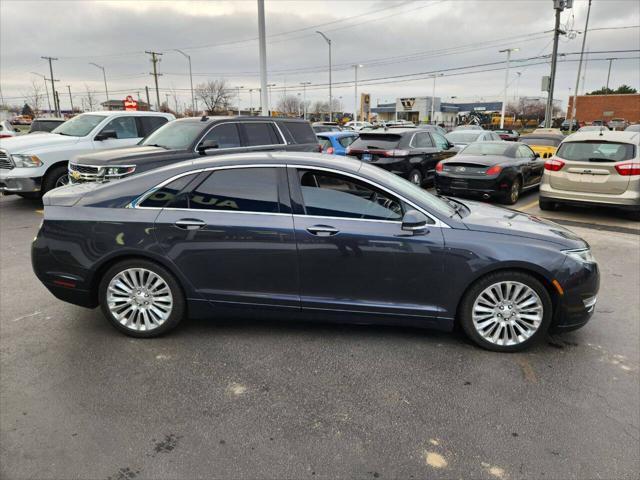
{"x":389,"y":38}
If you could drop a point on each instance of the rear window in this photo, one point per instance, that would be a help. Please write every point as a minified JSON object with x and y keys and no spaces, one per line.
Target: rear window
{"x":463,"y":136}
{"x":486,"y":148}
{"x":301,"y":132}
{"x":596,"y":151}
{"x":368,"y":141}
{"x":545,"y":142}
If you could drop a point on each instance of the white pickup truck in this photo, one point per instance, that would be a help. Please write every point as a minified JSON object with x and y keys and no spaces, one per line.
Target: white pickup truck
{"x":31,"y":165}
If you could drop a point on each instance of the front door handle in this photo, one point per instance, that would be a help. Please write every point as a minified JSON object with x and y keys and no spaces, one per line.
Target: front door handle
{"x":322,"y":230}
{"x":190,"y":224}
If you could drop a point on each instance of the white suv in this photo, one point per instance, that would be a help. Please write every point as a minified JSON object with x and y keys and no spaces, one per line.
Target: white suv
{"x":31,"y":165}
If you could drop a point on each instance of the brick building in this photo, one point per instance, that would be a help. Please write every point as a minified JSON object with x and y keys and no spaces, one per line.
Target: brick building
{"x":606,"y":107}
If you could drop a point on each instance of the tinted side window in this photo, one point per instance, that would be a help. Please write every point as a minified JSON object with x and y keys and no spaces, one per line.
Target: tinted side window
{"x":422,"y":140}
{"x":125,"y":127}
{"x":346,"y":141}
{"x":238,"y":190}
{"x":441,"y":142}
{"x":168,"y":194}
{"x":261,"y":133}
{"x":149,"y":124}
{"x":225,"y":134}
{"x":524,"y":152}
{"x":301,"y":132}
{"x":332,"y":195}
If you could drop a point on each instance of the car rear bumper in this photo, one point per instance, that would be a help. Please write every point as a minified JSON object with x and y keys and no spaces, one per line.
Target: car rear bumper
{"x":452,"y":185}
{"x":629,"y":200}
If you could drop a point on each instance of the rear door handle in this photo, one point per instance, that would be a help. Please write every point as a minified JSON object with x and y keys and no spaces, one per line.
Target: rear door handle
{"x":322,"y":230}
{"x":190,"y":224}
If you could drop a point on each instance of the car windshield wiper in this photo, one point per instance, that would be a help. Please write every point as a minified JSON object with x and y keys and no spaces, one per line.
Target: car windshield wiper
{"x":455,"y":204}
{"x":156,"y":145}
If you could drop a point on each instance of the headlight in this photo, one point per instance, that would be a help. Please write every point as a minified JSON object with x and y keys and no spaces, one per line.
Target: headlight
{"x":118,"y":172}
{"x":582,"y":255}
{"x":26,"y":161}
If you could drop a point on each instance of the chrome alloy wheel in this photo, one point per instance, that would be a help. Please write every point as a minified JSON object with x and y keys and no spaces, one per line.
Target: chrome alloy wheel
{"x":507,"y":313}
{"x":415,"y":178}
{"x":139,"y":299}
{"x":62,"y":181}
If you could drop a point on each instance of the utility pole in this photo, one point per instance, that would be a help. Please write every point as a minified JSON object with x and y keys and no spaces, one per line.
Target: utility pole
{"x":70,"y":97}
{"x":155,"y":60}
{"x":104,"y":77}
{"x":53,"y":87}
{"x":304,"y":98}
{"x":264,"y":101}
{"x":355,"y":103}
{"x":506,"y":82}
{"x":608,"y":76}
{"x":584,"y":74}
{"x":572,"y":118}
{"x":148,"y":100}
{"x":166,"y":100}
{"x":559,"y":6}
{"x":328,"y":40}
{"x":193,"y":98}
{"x":433,"y":98}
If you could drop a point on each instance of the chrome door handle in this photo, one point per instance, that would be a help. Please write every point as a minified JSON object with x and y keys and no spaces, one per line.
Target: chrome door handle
{"x":322,"y":230}
{"x":190,"y":224}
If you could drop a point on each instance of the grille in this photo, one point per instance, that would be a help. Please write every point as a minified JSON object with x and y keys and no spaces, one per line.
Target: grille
{"x":5,"y":162}
{"x":83,"y":169}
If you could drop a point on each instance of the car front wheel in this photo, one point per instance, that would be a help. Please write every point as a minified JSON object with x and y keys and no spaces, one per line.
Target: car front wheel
{"x":506,"y":311}
{"x":415,"y":177}
{"x":141,"y":298}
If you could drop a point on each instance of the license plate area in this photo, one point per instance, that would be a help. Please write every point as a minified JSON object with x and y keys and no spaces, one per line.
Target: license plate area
{"x":367,"y":157}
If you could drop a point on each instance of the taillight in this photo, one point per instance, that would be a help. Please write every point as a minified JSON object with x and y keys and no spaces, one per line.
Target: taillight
{"x":395,"y":153}
{"x":628,"y":169}
{"x":495,"y":170}
{"x":553,"y":165}
{"x":439,"y":167}
{"x":330,"y":150}
{"x":5,"y":136}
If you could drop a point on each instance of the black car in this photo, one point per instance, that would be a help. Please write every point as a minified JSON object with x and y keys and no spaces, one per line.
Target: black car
{"x":299,"y":235}
{"x":195,"y":138}
{"x":410,"y":153}
{"x":500,"y":170}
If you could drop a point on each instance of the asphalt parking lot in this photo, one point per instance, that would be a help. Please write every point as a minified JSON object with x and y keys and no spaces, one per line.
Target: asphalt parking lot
{"x":241,"y":398}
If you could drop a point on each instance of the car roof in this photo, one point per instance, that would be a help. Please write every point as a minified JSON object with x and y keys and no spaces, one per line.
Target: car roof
{"x":388,"y":131}
{"x":106,"y":113}
{"x":344,"y":133}
{"x":609,"y":136}
{"x":207,"y":119}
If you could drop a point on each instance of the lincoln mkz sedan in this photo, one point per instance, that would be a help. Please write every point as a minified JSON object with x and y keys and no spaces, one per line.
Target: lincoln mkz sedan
{"x":300,"y":235}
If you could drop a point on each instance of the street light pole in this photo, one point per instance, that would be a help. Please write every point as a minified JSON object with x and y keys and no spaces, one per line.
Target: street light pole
{"x":269,"y":85}
{"x":251,"y":101}
{"x":328,"y":40}
{"x":104,"y":76}
{"x":572,"y":118}
{"x":433,"y":98}
{"x":238,"y":91}
{"x":264,"y":101}
{"x":506,"y":83}
{"x":304,"y":98}
{"x":193,"y":101}
{"x":355,"y":102}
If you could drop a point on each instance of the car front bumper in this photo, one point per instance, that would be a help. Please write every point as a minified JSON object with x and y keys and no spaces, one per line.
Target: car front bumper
{"x":15,"y":183}
{"x":578,"y":303}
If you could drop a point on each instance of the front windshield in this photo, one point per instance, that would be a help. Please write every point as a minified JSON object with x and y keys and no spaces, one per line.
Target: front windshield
{"x":406,"y":188}
{"x":175,"y":135}
{"x":545,"y":142}
{"x":463,"y":136}
{"x":79,"y":126}
{"x":486,"y":148}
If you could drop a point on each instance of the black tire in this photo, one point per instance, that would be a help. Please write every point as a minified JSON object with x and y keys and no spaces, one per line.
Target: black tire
{"x":416,"y":177}
{"x":30,"y":195}
{"x":513,"y":195}
{"x":53,"y":177}
{"x":547,"y":205}
{"x":178,"y":309}
{"x":465,"y":314}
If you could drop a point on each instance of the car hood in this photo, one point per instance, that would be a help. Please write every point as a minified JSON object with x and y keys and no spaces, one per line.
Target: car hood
{"x":29,"y":143}
{"x":492,"y":219}
{"x":120,"y":155}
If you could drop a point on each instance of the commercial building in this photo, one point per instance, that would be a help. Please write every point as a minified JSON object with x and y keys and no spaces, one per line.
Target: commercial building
{"x":606,"y":107}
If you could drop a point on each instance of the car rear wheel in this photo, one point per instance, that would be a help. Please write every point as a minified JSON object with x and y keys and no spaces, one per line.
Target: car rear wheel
{"x":141,"y":298}
{"x":513,"y":195}
{"x":415,"y":177}
{"x":506,"y":311}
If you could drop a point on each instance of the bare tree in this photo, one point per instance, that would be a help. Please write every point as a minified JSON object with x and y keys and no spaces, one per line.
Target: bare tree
{"x":289,"y":105}
{"x":35,"y":97}
{"x":90,"y":100}
{"x":215,"y":95}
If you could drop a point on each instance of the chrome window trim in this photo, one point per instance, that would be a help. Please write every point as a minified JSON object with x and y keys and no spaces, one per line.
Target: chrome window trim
{"x":195,"y":150}
{"x":134,"y":203}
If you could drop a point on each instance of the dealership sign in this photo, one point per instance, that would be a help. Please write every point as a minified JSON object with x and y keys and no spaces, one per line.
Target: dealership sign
{"x":130,"y":103}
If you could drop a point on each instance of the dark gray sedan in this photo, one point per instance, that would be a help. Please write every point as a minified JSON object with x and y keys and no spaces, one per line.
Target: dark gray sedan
{"x":302,"y":236}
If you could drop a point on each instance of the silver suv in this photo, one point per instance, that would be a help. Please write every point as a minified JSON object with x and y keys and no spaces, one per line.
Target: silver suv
{"x":594,"y":168}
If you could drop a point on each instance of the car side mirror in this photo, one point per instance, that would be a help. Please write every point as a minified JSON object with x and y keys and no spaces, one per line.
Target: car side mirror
{"x":105,"y":135}
{"x":207,"y":145}
{"x":415,"y":222}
